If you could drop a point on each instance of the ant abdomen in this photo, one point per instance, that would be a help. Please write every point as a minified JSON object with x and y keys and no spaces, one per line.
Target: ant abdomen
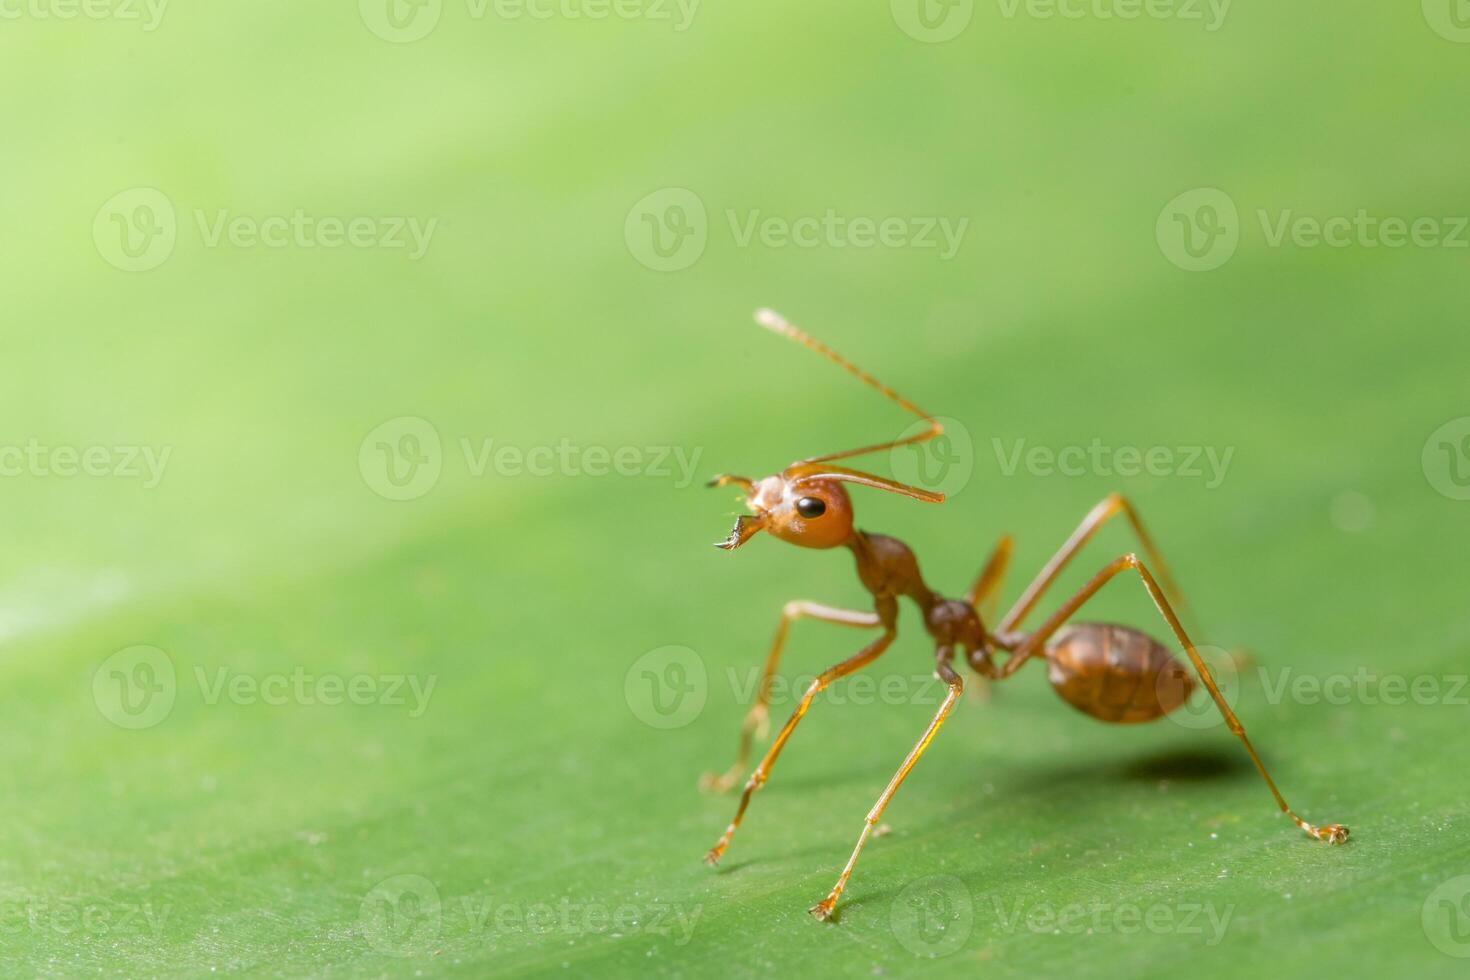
{"x":1116,"y":673}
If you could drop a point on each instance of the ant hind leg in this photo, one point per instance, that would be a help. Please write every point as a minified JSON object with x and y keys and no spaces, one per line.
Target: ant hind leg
{"x":1331,"y":833}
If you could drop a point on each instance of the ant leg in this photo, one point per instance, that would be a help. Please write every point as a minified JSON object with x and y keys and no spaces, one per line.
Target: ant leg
{"x":1332,"y":833}
{"x":987,"y":587}
{"x":982,"y":597}
{"x":1109,"y":507}
{"x":944,"y":672}
{"x":762,"y":772}
{"x":758,"y":719}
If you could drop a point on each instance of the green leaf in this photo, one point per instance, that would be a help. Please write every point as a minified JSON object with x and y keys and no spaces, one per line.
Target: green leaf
{"x":357,"y":610}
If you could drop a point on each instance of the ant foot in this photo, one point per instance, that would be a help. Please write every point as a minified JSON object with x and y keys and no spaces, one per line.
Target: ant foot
{"x":823,"y":910}
{"x":1333,"y":833}
{"x":718,"y":851}
{"x":719,"y":782}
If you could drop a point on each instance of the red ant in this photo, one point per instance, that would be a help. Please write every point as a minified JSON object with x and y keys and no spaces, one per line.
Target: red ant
{"x":1112,"y":673}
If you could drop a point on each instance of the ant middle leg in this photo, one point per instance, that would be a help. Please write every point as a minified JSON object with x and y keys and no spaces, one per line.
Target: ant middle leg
{"x":986,"y":590}
{"x":983,"y":595}
{"x":757,"y":720}
{"x":1332,"y":833}
{"x":762,"y":772}
{"x":942,"y":669}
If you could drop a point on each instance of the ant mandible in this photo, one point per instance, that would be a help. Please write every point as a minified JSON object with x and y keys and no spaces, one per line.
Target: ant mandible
{"x":1113,"y":673}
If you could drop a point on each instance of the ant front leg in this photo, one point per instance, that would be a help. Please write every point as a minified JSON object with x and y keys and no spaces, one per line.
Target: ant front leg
{"x":1331,"y":833}
{"x":942,"y":669}
{"x":887,"y":614}
{"x":758,"y":717}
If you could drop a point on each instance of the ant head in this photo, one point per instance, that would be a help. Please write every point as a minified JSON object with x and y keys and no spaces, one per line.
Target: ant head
{"x":813,"y":513}
{"x":805,"y":504}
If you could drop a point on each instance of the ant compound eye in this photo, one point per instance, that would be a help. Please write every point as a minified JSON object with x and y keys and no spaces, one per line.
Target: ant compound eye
{"x":810,"y":507}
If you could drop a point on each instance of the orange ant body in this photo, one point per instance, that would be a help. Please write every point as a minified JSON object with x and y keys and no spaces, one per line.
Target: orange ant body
{"x":1113,"y":673}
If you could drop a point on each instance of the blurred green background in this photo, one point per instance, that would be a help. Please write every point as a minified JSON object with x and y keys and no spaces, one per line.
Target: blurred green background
{"x":263,"y":716}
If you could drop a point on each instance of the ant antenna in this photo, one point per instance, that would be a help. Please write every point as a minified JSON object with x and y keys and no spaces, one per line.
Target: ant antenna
{"x":776,"y":323}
